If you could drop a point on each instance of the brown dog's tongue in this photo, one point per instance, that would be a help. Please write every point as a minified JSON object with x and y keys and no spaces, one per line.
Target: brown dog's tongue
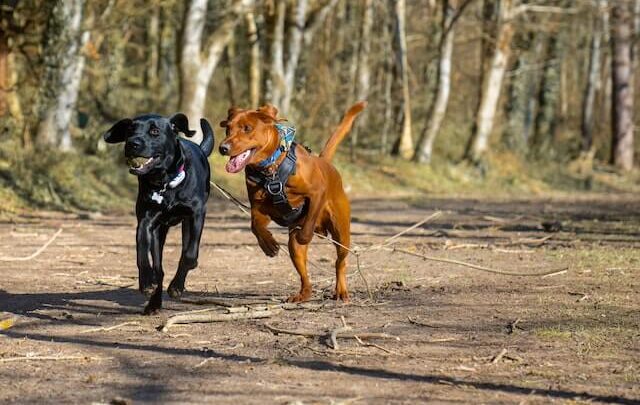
{"x":237,"y":163}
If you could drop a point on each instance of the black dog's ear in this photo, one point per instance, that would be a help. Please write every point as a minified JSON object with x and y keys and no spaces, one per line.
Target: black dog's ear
{"x":118,"y":132}
{"x":180,"y":123}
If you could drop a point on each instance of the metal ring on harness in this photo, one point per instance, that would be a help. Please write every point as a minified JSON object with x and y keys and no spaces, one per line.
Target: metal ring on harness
{"x":274,"y":190}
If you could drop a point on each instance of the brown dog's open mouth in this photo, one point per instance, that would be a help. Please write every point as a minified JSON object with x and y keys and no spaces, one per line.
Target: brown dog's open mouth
{"x":140,"y":164}
{"x":238,"y":162}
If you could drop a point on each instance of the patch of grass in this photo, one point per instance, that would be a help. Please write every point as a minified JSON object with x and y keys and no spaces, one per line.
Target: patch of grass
{"x":553,"y":333}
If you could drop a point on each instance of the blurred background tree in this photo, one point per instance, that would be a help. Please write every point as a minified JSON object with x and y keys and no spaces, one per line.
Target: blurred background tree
{"x":487,"y":90}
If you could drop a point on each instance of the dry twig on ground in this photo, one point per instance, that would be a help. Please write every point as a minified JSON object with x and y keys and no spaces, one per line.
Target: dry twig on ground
{"x":34,"y":254}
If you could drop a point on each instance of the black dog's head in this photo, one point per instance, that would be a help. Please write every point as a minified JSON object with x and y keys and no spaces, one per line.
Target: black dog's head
{"x":150,"y":140}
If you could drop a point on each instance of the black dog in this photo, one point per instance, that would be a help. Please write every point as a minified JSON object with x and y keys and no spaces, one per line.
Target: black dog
{"x":173,"y":187}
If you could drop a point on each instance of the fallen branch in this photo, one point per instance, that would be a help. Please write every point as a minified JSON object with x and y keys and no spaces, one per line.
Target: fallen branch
{"x":106,"y":329}
{"x":49,"y":358}
{"x":344,"y":335}
{"x":499,"y":357}
{"x":207,"y":318}
{"x":476,"y":267}
{"x":413,"y":321}
{"x":409,"y":229}
{"x":34,"y":254}
{"x":334,"y":334}
{"x":384,"y":349}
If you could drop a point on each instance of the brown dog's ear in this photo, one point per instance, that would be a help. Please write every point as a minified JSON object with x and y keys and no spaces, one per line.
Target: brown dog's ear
{"x":180,"y":123}
{"x":269,"y":110}
{"x":118,"y":132}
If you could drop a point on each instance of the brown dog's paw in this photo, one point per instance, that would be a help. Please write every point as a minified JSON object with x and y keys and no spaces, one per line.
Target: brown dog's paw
{"x":269,"y":246}
{"x":341,"y":296}
{"x":302,"y":296}
{"x":304,"y":238}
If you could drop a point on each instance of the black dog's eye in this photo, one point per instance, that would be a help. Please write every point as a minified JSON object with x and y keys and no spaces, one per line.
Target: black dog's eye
{"x":154,"y":131}
{"x":247,"y":128}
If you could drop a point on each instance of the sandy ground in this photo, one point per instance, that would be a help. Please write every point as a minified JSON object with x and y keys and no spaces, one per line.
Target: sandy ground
{"x":570,"y":337}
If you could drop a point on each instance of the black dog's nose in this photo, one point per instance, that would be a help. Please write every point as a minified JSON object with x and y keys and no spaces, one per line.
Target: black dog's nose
{"x":224,"y":149}
{"x":134,"y":144}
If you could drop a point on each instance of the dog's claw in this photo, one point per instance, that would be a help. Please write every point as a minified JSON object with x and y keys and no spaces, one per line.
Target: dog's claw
{"x":269,"y":247}
{"x":302,"y":296}
{"x":149,"y":290}
{"x":175,"y":292}
{"x":341,"y":296}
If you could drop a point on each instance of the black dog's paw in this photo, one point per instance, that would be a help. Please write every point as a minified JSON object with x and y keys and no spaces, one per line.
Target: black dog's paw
{"x":148,"y":290}
{"x":269,"y":246}
{"x":175,"y":291}
{"x":151,"y":310}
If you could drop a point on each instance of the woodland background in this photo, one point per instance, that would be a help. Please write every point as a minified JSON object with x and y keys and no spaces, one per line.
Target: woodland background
{"x":465,"y":96}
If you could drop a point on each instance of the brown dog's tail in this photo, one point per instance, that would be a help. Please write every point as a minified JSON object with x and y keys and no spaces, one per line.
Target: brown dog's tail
{"x":341,"y":132}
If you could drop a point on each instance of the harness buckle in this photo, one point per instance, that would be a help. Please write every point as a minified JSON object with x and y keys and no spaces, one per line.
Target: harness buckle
{"x":274,"y":188}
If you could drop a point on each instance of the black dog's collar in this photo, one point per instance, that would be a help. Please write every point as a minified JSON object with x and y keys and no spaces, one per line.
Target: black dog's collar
{"x":175,"y":179}
{"x":275,"y":184}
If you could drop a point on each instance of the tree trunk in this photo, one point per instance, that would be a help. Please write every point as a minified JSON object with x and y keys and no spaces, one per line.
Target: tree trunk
{"x":404,"y":144}
{"x":593,"y":78}
{"x":443,"y":85}
{"x":294,"y":48}
{"x":275,"y":82}
{"x":548,"y":96}
{"x":230,"y":76}
{"x":622,"y":94}
{"x":388,"y":61}
{"x":363,"y":69}
{"x":197,"y":65}
{"x":64,"y":60}
{"x":492,"y":85}
{"x":254,"y":60}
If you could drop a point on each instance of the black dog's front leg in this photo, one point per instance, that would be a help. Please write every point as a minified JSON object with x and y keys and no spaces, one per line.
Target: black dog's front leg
{"x":150,"y":242}
{"x":191,"y":232}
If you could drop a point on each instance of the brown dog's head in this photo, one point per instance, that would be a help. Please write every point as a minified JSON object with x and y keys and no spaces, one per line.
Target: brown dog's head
{"x":250,"y":136}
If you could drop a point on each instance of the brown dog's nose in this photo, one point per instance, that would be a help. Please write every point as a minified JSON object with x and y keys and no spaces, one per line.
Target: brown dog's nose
{"x":224,"y":149}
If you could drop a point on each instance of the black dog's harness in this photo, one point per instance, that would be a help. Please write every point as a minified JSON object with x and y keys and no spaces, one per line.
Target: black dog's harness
{"x":275,"y":185}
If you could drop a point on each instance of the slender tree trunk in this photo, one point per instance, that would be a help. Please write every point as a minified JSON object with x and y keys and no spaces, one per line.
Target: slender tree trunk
{"x":388,"y":87}
{"x":492,"y":84}
{"x":363,"y":69}
{"x":276,"y":81}
{"x":254,"y":60}
{"x":593,"y":78}
{"x":404,"y":144}
{"x":230,"y":76}
{"x":64,"y":59}
{"x":548,"y":95}
{"x":296,"y":35}
{"x":622,"y":94}
{"x":439,"y":109}
{"x":153,"y":52}
{"x":197,"y":65}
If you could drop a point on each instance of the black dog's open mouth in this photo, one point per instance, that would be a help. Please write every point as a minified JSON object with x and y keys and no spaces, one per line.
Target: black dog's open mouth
{"x":239,"y":161}
{"x":141,"y":164}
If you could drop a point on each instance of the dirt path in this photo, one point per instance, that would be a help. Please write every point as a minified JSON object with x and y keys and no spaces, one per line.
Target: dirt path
{"x":573,"y":336}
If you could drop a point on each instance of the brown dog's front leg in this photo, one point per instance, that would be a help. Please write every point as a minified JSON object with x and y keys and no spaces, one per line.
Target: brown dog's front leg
{"x":305,"y":234}
{"x":267,"y":242}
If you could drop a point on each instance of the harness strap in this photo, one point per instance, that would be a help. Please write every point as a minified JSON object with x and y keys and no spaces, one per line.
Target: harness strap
{"x":275,"y":187}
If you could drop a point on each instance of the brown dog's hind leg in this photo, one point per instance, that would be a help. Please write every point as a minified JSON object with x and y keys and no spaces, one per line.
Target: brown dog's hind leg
{"x":340,"y":232}
{"x":298,"y":253}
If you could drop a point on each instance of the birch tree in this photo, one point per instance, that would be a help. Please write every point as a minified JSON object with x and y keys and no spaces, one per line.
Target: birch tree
{"x":363,"y":68}
{"x":404,"y":144}
{"x":492,"y":85}
{"x":254,"y":59}
{"x":443,"y":85}
{"x":200,"y":56}
{"x":64,"y":62}
{"x":283,"y":67}
{"x":622,"y":79}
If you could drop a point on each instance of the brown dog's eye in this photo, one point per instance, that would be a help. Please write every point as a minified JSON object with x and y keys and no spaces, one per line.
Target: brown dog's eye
{"x":154,"y":131}
{"x":247,"y":128}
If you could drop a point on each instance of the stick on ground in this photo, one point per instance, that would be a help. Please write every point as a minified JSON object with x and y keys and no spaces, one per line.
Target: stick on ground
{"x":207,"y":318}
{"x":34,"y":254}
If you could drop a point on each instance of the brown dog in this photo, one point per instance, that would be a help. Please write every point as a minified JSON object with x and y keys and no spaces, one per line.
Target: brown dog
{"x":290,"y":186}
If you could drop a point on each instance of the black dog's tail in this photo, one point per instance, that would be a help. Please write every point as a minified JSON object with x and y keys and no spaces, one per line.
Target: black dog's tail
{"x":207,"y":137}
